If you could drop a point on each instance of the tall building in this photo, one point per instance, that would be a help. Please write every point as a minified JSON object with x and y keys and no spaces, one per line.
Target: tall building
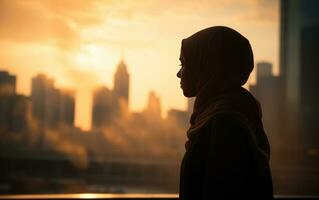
{"x":179,"y":117}
{"x":103,"y":110}
{"x":15,"y":113}
{"x":264,"y":70}
{"x":121,"y":88}
{"x":153,"y":109}
{"x":51,"y":106}
{"x":269,"y":92}
{"x":44,"y":99}
{"x":7,"y":83}
{"x":40,"y":86}
{"x":67,"y":107}
{"x":299,"y":66}
{"x":15,"y":109}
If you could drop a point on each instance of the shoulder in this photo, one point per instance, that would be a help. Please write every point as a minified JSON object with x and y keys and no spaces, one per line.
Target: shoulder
{"x":226,"y":121}
{"x":227,"y":128}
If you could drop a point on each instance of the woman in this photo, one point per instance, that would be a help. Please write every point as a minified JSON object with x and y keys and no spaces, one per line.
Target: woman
{"x":227,"y":152}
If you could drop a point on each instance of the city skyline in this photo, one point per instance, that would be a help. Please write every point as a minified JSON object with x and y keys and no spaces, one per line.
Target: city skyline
{"x":79,"y":44}
{"x":71,"y":91}
{"x":45,"y":97}
{"x":52,"y":108}
{"x":77,"y":115}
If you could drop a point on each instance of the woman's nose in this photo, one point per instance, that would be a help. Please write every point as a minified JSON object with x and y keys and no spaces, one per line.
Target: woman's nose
{"x":178,"y":74}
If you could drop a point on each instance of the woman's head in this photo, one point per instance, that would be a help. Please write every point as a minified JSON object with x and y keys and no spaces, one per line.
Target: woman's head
{"x":213,"y":60}
{"x":189,"y":81}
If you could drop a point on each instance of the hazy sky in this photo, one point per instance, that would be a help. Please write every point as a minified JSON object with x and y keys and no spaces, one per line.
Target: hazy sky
{"x":79,"y":42}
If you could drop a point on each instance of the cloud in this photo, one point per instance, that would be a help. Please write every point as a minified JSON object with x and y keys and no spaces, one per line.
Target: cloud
{"x":45,"y":21}
{"x":81,"y":78}
{"x":148,"y":30}
{"x":81,"y":12}
{"x":24,"y":23}
{"x":130,"y":10}
{"x":62,"y":22}
{"x":260,"y":12}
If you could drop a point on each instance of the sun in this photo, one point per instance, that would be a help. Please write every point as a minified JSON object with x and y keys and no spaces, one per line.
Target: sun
{"x":97,"y":59}
{"x":93,"y":57}
{"x":82,"y":60}
{"x":89,"y":57}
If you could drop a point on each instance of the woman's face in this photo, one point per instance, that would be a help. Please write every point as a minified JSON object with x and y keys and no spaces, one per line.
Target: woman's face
{"x":188,"y":81}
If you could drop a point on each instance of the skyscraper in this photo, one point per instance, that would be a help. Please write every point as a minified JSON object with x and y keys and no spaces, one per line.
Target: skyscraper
{"x":103,"y":110}
{"x":41,"y":93}
{"x":264,"y":70}
{"x":67,"y":107}
{"x":121,"y":88}
{"x":15,"y":109}
{"x":51,"y":106}
{"x":269,"y":92}
{"x":299,"y":66}
{"x":153,"y":109}
{"x":7,"y":83}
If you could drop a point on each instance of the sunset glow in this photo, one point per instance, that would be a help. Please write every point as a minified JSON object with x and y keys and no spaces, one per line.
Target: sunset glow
{"x":79,"y":43}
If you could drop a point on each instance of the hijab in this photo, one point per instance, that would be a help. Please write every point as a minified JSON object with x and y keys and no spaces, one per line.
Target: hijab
{"x":221,"y":59}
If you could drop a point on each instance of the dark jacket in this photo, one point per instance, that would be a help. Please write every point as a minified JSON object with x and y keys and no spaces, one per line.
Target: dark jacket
{"x":219,"y":164}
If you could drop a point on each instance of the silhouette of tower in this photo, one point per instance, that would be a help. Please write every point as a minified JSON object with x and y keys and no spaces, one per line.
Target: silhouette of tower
{"x":268,"y":90}
{"x":121,"y":89}
{"x":15,"y":109}
{"x":42,"y":90}
{"x":153,"y":109}
{"x":67,"y":107}
{"x":102,"y":112}
{"x":264,"y":70}
{"x":7,"y":83}
{"x":51,"y":106}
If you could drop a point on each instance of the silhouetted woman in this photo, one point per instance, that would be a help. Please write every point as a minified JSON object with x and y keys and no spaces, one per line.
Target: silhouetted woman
{"x":227,"y":152}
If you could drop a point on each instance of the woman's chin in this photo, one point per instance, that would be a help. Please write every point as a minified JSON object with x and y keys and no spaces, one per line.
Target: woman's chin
{"x":188,"y":94}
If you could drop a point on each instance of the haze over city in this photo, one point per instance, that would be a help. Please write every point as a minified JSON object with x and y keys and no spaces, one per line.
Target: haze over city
{"x":90,"y":101}
{"x":80,"y":43}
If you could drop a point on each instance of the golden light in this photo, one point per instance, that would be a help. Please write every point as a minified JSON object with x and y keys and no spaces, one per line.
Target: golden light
{"x":82,"y":60}
{"x":87,"y":196}
{"x":95,"y":58}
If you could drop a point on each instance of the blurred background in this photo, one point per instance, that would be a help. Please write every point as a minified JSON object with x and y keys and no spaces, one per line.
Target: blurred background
{"x":90,"y":101}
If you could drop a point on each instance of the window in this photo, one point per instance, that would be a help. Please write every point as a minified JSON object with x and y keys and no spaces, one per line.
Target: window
{"x":90,"y":101}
